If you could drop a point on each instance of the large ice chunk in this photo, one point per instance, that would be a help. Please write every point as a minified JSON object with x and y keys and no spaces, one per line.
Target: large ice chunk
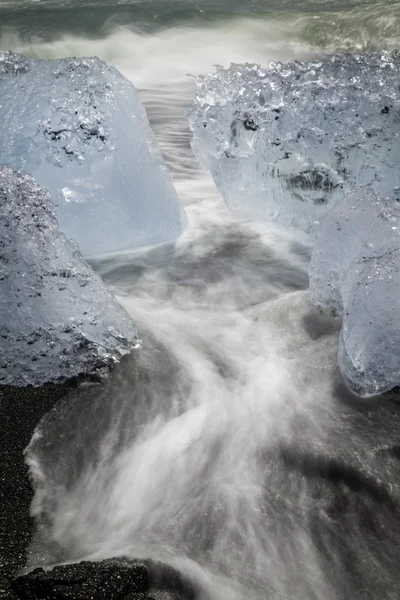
{"x":57,"y":319}
{"x":355,"y":271}
{"x":286,"y":142}
{"x":78,"y":127}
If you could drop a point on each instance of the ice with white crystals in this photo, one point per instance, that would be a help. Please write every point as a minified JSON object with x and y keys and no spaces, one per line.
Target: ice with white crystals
{"x":286,"y":142}
{"x":355,"y":271}
{"x":78,"y":127}
{"x":57,"y":319}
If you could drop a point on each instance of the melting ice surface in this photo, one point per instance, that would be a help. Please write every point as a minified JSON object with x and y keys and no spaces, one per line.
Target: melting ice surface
{"x":57,"y":319}
{"x":286,"y":144}
{"x":283,"y":143}
{"x":355,"y":271}
{"x":78,"y":127}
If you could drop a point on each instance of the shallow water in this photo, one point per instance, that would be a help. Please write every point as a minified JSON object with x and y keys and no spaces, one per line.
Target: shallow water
{"x":228,"y":445}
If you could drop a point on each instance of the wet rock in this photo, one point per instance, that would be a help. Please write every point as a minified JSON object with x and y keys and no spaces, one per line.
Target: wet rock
{"x":116,"y":579}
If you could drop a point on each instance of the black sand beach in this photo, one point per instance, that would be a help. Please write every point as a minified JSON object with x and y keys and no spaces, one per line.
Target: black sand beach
{"x":20,"y":411}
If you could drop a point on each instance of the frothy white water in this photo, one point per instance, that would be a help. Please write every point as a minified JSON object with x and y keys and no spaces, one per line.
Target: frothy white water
{"x":183,"y":468}
{"x":165,"y":58}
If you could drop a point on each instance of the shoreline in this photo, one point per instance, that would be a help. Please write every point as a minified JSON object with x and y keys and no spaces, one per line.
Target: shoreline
{"x":21,"y":409}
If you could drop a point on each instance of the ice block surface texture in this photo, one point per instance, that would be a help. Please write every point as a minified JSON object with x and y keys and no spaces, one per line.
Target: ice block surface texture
{"x":78,"y":126}
{"x":355,"y":272}
{"x":285,"y":142}
{"x":57,"y":319}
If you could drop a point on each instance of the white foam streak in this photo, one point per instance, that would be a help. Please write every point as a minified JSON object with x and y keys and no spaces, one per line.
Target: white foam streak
{"x":165,"y":58}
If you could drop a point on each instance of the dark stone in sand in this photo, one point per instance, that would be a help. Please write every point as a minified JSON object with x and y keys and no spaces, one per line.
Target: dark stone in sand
{"x":20,"y":411}
{"x":117,"y":579}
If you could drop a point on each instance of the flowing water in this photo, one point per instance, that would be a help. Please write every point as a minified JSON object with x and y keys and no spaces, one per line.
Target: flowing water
{"x":228,"y":445}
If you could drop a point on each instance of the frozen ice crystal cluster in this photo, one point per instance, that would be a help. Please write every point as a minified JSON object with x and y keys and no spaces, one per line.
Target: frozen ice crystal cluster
{"x":317,"y":146}
{"x":57,"y":319}
{"x":286,"y":142}
{"x":355,"y":271}
{"x":78,"y":127}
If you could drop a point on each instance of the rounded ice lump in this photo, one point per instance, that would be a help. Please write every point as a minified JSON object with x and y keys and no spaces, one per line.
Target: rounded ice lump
{"x":57,"y":319}
{"x":286,"y":142}
{"x":355,"y":272}
{"x":78,"y":127}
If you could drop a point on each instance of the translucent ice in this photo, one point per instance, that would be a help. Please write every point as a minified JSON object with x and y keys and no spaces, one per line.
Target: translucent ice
{"x":78,"y":127}
{"x":285,"y":142}
{"x":57,"y":319}
{"x":355,"y":271}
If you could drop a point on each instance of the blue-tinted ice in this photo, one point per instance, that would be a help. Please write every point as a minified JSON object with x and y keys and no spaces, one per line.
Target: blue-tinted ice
{"x":57,"y":319}
{"x":286,"y":142}
{"x":78,"y":127}
{"x":289,"y":143}
{"x":355,"y":271}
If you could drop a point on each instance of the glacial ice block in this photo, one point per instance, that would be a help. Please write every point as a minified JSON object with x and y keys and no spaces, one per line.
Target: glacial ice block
{"x":355,"y":272}
{"x":57,"y":319}
{"x":285,"y":142}
{"x":78,"y":127}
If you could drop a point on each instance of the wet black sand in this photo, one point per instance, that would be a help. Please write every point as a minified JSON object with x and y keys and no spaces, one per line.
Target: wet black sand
{"x":20,"y":411}
{"x":346,"y":487}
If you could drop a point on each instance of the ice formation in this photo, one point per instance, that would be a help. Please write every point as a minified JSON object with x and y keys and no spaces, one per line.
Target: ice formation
{"x":286,"y":142}
{"x":57,"y":319}
{"x":78,"y":127}
{"x":355,"y":271}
